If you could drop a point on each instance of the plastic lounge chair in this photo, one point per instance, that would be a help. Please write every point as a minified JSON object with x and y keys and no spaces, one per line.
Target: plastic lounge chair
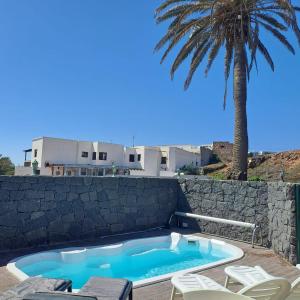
{"x":183,"y":284}
{"x":270,"y":289}
{"x":97,"y":288}
{"x":245,"y":275}
{"x":295,"y":290}
{"x":251,"y":275}
{"x":35,"y":284}
{"x":213,"y":295}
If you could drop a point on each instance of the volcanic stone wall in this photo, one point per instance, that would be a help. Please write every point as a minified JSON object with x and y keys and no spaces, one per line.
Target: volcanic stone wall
{"x":37,"y":210}
{"x":48,"y":210}
{"x":269,"y":205}
{"x":282,"y":219}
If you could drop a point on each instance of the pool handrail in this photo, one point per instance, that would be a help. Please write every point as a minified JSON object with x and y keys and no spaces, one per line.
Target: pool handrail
{"x":253,"y":226}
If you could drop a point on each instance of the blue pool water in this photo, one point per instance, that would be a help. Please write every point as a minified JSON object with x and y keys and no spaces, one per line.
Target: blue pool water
{"x":137,"y":262}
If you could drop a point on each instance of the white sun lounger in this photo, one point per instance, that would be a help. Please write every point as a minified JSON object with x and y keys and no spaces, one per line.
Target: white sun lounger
{"x":248,"y":276}
{"x":295,"y":290}
{"x":245,"y":275}
{"x":186,"y":283}
{"x":270,"y":289}
{"x":213,"y":295}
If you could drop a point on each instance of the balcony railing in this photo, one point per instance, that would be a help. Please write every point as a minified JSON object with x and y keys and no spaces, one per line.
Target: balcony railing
{"x":27,"y":163}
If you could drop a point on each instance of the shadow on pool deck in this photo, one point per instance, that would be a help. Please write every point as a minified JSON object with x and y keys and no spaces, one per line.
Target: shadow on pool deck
{"x":162,"y":290}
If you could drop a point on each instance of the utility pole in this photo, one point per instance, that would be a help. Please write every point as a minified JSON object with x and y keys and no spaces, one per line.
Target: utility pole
{"x":133,"y":141}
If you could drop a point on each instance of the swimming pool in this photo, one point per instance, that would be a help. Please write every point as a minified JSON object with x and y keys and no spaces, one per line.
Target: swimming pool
{"x":142,"y":260}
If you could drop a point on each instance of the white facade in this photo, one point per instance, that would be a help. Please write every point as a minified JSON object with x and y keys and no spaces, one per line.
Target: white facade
{"x":204,"y":151}
{"x":176,"y":158}
{"x":62,"y":157}
{"x":149,"y":163}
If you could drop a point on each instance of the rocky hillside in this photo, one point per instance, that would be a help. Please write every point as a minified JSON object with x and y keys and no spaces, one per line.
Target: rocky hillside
{"x":269,"y":167}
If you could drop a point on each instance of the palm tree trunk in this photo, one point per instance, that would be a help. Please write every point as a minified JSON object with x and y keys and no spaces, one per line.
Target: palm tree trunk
{"x":240,"y":147}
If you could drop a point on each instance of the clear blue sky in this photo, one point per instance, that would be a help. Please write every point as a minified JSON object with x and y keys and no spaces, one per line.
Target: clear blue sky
{"x":85,"y":69}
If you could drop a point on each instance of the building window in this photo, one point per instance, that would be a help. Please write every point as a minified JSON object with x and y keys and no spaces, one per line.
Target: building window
{"x":84,"y":154}
{"x":35,"y":152}
{"x":94,"y":156}
{"x":102,"y":155}
{"x":139,"y":157}
{"x":83,"y":171}
{"x":164,"y":160}
{"x":131,"y":157}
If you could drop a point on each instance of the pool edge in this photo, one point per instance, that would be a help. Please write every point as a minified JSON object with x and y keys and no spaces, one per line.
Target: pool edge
{"x":239,"y":254}
{"x":165,"y":277}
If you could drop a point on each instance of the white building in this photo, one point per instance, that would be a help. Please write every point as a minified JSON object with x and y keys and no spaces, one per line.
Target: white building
{"x":63,"y":157}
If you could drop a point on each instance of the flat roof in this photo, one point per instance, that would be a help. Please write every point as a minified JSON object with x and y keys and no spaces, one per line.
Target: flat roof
{"x":133,"y":147}
{"x":74,"y":140}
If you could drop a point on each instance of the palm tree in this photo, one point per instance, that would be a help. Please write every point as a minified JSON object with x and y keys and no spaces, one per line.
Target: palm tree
{"x":202,"y":27}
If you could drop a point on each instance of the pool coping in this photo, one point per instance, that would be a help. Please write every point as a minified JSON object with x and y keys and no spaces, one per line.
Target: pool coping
{"x":238,"y":254}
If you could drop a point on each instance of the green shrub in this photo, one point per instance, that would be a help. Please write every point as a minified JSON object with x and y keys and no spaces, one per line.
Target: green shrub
{"x":255,"y":178}
{"x":189,"y":170}
{"x":250,"y":154}
{"x":6,"y":166}
{"x":219,"y":176}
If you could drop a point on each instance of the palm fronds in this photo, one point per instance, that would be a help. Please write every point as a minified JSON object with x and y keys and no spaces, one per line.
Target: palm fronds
{"x":201,"y":27}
